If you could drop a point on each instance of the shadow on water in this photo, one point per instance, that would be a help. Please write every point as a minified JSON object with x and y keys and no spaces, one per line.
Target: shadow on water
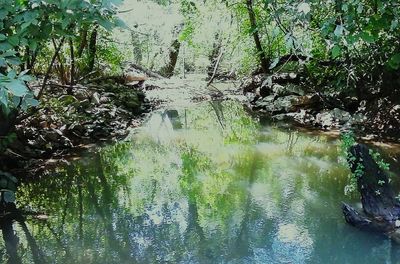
{"x":206,"y":184}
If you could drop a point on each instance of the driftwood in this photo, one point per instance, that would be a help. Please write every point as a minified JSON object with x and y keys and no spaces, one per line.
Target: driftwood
{"x":147,"y":71}
{"x":381,"y":209}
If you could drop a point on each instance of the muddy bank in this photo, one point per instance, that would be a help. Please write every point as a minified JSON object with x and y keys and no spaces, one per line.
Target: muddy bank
{"x":285,"y":96}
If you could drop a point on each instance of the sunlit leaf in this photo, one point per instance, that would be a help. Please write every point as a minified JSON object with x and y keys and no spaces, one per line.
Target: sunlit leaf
{"x":16,"y":87}
{"x":304,"y":8}
{"x":336,"y":51}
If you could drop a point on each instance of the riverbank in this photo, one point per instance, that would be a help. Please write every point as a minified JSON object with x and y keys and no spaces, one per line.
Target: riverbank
{"x":66,"y":124}
{"x":96,"y":114}
{"x":285,"y":97}
{"x":99,"y":113}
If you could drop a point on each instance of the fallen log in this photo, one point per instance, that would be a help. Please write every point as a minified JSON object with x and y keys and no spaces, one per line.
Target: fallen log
{"x":147,"y":71}
{"x":381,"y":209}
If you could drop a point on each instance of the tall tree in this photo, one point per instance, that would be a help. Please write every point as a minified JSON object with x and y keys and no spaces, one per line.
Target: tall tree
{"x":254,"y":28}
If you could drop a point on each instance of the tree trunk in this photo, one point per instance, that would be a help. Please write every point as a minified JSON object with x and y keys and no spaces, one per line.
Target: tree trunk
{"x":60,"y":66}
{"x":92,"y":49}
{"x":381,"y":210}
{"x":253,"y":22}
{"x":168,"y":70}
{"x":47,"y":76}
{"x":72,"y":70}
{"x":137,"y":51}
{"x":214,"y":55}
{"x":83,"y":42}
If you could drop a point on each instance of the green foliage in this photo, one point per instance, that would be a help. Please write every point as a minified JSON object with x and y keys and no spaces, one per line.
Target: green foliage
{"x":27,"y":27}
{"x":347,"y":140}
{"x":379,"y":160}
{"x":109,"y":55}
{"x":6,"y":141}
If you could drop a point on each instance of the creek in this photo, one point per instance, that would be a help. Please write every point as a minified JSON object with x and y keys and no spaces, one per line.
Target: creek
{"x":206,"y":183}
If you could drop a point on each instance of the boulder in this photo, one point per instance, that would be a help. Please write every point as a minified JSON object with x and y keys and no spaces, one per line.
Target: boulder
{"x":249,"y":85}
{"x":95,"y":98}
{"x":285,"y":90}
{"x":308,"y":101}
{"x":332,"y":118}
{"x":282,"y":105}
{"x":302,"y":117}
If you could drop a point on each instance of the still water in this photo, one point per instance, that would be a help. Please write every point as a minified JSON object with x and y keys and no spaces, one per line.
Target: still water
{"x":206,"y":184}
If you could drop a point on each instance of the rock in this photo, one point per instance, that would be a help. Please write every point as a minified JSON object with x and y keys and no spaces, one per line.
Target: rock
{"x":44,"y":124}
{"x":104,"y":100}
{"x":249,"y":85}
{"x":304,"y":117}
{"x":130,"y":100}
{"x":264,"y":102}
{"x":95,"y":98}
{"x":301,"y":117}
{"x":82,"y":94}
{"x":332,"y":118}
{"x":288,"y":89}
{"x":52,"y":135}
{"x":308,"y":101}
{"x":358,"y":119}
{"x":282,"y":105}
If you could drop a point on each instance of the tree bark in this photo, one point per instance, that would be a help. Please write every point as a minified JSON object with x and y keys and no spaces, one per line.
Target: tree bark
{"x":150,"y":73}
{"x":216,"y":67}
{"x":92,"y":49}
{"x":253,"y":22}
{"x":381,"y":210}
{"x":168,"y":70}
{"x":83,"y":43}
{"x":72,"y":70}
{"x":47,"y":76}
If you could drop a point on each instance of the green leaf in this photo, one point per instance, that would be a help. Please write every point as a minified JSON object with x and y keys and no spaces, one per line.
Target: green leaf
{"x":17,"y":88}
{"x":274,"y":63}
{"x":3,"y":62}
{"x":339,"y":30}
{"x":106,"y":24}
{"x":14,"y":61}
{"x":13,"y":40}
{"x":394,"y":61}
{"x":2,"y":37}
{"x":304,"y":8}
{"x":5,"y":46}
{"x":3,"y":97}
{"x":30,"y":101}
{"x":367,"y":37}
{"x":336,"y":51}
{"x":3,"y":14}
{"x":120,"y":23}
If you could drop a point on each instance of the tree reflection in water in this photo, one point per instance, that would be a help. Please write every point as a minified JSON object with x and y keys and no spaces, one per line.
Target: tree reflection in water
{"x":201,"y":185}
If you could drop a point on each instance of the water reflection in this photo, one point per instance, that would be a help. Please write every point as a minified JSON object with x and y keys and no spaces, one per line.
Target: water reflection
{"x":201,"y":185}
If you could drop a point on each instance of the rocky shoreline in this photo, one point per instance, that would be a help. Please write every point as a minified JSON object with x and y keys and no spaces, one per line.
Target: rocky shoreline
{"x":284,"y":97}
{"x":67,"y":124}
